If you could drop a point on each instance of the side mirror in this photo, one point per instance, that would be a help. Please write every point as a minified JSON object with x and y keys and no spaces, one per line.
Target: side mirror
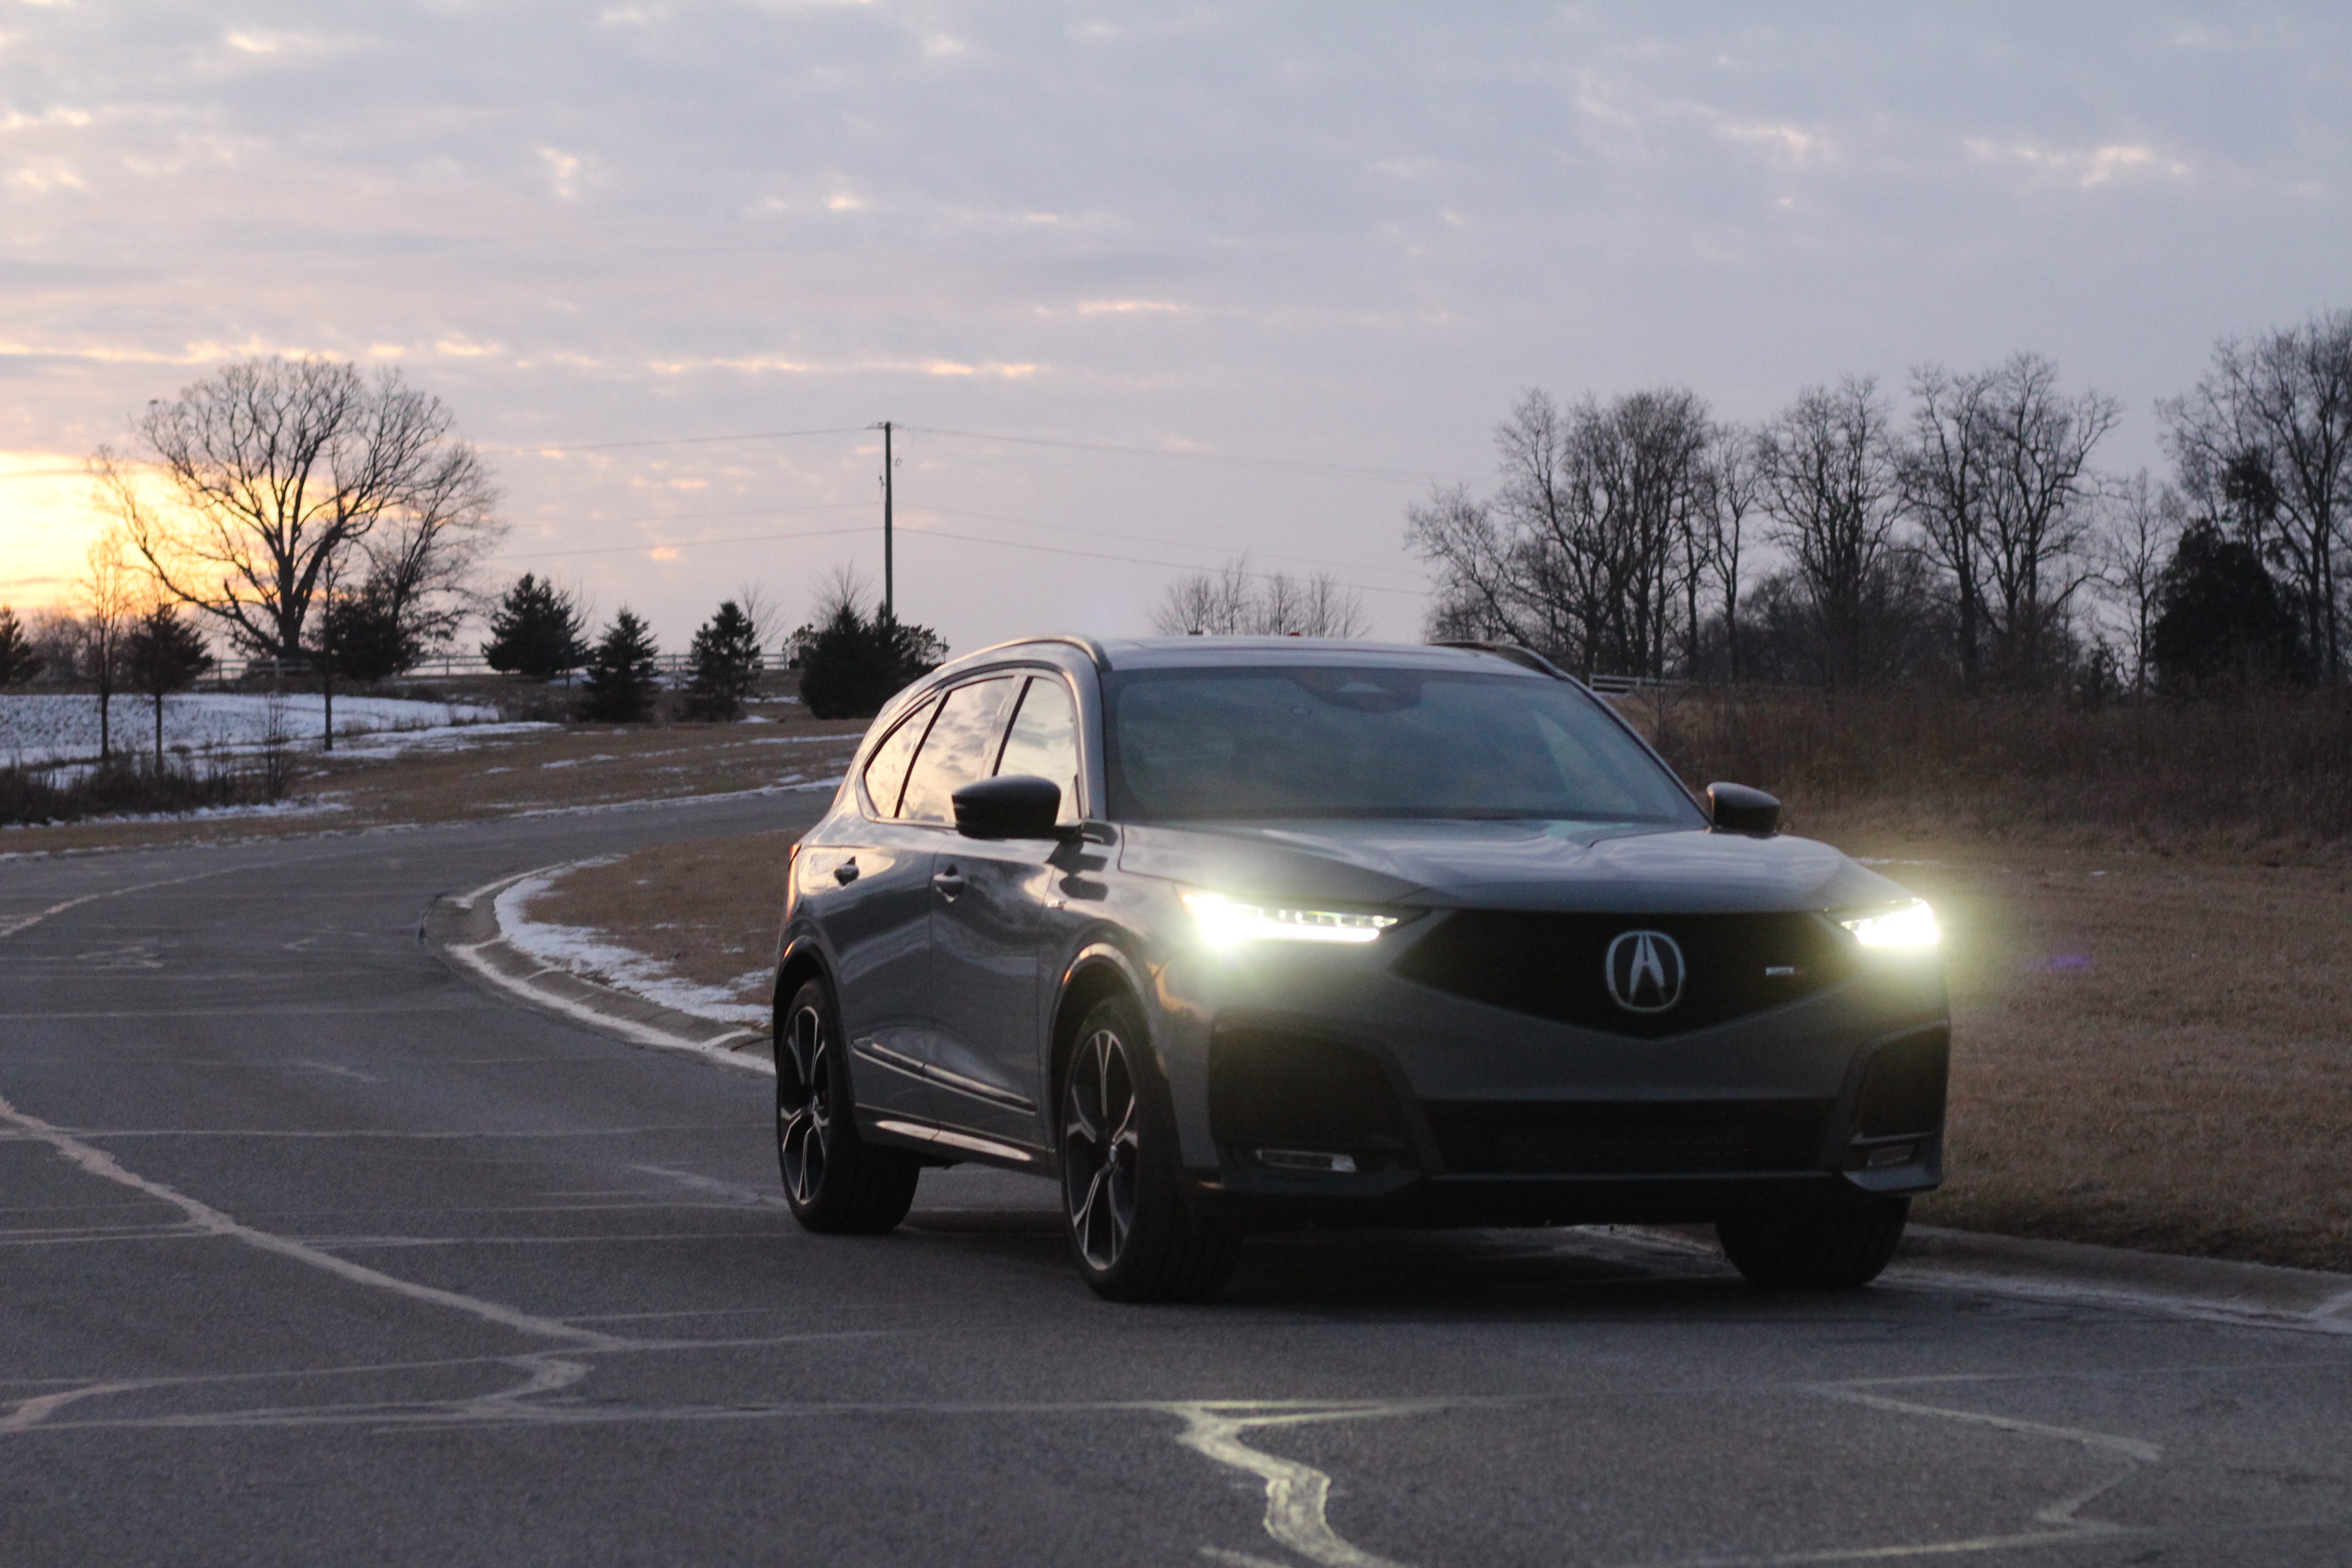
{"x":1019,"y":806}
{"x":1739,"y":809}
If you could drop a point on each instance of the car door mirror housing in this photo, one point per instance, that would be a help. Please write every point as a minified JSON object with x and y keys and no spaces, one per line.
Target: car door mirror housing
{"x":1736,"y":809}
{"x":1020,"y":805}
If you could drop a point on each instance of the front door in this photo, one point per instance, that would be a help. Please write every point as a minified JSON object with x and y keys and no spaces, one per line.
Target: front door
{"x":999,"y":919}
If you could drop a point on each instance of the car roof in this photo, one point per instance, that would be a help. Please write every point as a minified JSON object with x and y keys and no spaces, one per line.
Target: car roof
{"x":1235,"y":652}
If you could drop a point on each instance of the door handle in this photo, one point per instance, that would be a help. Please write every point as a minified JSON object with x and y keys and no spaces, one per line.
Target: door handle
{"x":846,"y":872}
{"x":949,"y":882}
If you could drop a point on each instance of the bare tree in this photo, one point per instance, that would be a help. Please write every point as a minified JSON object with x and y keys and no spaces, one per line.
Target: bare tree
{"x":2042,"y":510}
{"x":1735,"y":484}
{"x":1235,"y":601}
{"x":111,"y":593}
{"x":2274,"y":414}
{"x":2140,"y":527}
{"x":1828,"y":487}
{"x":276,"y":472}
{"x":1586,"y":551}
{"x":1945,"y":473}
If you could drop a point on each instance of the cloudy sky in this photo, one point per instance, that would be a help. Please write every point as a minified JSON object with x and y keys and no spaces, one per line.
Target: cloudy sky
{"x":1152,"y":286}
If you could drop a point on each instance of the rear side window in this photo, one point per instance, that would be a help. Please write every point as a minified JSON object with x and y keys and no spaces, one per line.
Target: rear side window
{"x":956,"y":751}
{"x":886,"y":771}
{"x":1043,"y":740}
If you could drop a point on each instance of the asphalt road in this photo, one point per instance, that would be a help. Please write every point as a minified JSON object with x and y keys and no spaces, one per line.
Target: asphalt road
{"x":312,"y":1252}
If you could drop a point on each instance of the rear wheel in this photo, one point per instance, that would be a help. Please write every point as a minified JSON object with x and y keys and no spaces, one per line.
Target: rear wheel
{"x":1134,"y":1236}
{"x":834,"y":1180}
{"x":1793,"y":1248}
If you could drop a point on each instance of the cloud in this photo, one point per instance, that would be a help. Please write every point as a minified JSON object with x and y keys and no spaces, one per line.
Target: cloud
{"x":2096,"y":166}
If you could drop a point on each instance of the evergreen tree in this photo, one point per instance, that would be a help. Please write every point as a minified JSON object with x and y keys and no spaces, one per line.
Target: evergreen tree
{"x":2220,"y":616}
{"x":726,"y":659}
{"x":620,"y":682}
{"x":363,"y":633}
{"x":18,"y":662}
{"x":535,"y":631}
{"x":164,"y":654}
{"x":851,"y":666}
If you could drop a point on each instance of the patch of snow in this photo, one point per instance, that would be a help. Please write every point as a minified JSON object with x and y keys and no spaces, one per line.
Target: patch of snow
{"x":40,"y":728}
{"x":590,"y":953}
{"x":201,"y":814}
{"x":575,"y":761}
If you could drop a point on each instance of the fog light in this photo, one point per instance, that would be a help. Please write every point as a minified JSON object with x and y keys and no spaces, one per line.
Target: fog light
{"x":1893,"y":1154}
{"x":1320,"y":1163}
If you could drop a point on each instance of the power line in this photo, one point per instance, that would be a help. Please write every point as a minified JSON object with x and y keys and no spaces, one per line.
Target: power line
{"x":1234,"y":461}
{"x":680,"y":544}
{"x":925,"y":532}
{"x":1140,"y":561}
{"x":1153,"y":538}
{"x":553,"y":449}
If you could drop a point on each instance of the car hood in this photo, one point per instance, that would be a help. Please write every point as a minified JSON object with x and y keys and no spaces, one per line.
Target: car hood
{"x":1607,"y":868}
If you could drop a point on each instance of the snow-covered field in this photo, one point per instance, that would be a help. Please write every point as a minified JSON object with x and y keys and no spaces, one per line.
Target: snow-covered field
{"x":588,"y":952}
{"x":48,"y":728}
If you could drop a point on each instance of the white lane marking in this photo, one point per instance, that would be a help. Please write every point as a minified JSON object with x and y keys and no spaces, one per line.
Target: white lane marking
{"x":2061,"y":1518}
{"x":31,"y":1413}
{"x":2132,"y":1448}
{"x":1297,"y":1495}
{"x":99,"y":1162}
{"x":25,"y":922}
{"x":353,"y":1073}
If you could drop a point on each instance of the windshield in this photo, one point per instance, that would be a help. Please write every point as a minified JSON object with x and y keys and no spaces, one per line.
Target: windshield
{"x":1309,"y":740}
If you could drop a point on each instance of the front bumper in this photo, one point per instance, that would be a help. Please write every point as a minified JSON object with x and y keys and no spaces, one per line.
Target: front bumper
{"x":1452,"y":1110}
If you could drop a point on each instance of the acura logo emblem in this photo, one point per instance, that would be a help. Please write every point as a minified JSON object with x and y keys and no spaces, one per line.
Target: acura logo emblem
{"x":1645,"y":972}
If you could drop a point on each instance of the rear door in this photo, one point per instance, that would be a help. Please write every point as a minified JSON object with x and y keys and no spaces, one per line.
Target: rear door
{"x":997,"y":922}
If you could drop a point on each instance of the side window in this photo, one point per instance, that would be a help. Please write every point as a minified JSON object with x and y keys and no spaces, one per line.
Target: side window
{"x":885,"y":769}
{"x":956,"y":751}
{"x":1043,"y":740}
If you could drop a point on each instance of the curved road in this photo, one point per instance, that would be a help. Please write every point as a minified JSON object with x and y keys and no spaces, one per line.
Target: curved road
{"x":311,"y":1252}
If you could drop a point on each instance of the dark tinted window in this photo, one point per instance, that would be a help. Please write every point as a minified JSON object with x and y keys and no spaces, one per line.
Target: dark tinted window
{"x":1304,"y":740}
{"x":1043,"y":740}
{"x":956,"y":752}
{"x":886,"y":769}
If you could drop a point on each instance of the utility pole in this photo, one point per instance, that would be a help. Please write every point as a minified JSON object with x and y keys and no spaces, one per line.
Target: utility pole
{"x":890,"y":603}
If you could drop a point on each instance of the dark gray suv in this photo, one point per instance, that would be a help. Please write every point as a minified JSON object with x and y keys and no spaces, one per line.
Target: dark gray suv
{"x":1235,"y":933}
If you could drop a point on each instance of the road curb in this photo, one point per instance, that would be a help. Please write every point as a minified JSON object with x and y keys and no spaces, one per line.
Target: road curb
{"x":462,"y":930}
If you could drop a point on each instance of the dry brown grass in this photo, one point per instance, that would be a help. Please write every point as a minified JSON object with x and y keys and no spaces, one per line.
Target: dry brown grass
{"x":2148,"y":1051}
{"x":2264,"y":774}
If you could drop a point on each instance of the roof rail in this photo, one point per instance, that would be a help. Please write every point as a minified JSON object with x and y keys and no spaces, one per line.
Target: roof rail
{"x":1085,"y":645}
{"x":1524,"y":656}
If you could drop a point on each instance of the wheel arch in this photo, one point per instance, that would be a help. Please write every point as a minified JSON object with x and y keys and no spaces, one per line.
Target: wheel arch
{"x":1099,"y":970}
{"x":802,"y":961}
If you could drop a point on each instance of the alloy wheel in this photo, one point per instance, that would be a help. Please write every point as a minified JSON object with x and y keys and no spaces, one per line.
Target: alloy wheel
{"x":1101,"y":1148}
{"x":804,"y":1104}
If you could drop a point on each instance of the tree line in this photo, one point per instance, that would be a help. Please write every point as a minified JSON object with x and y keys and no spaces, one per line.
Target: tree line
{"x":1965,"y":535}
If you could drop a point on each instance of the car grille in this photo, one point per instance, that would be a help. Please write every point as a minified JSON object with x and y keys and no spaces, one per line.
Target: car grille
{"x":1613,"y":1139}
{"x":1554,"y":965}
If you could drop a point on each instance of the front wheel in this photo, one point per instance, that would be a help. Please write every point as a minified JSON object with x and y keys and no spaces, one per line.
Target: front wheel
{"x":1133,"y":1234}
{"x":1791,"y":1248}
{"x":834,"y":1180}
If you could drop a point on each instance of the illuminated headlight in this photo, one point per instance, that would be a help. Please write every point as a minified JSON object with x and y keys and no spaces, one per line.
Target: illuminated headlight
{"x":1226,"y":921}
{"x":1909,"y":925}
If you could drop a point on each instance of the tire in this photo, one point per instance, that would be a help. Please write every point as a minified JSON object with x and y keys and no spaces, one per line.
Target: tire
{"x":1815,"y":1248}
{"x":1133,"y":1233}
{"x":834,"y":1182}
